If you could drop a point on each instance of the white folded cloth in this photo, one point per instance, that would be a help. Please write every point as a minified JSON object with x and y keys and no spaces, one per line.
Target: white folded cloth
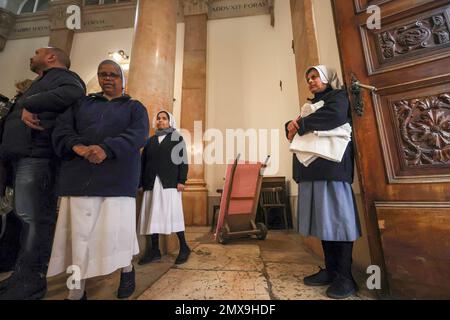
{"x":330,"y":145}
{"x":309,"y":108}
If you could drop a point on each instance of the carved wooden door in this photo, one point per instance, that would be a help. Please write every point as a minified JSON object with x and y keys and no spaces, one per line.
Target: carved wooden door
{"x":403,"y":137}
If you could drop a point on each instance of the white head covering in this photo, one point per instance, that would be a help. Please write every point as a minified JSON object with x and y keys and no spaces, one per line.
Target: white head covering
{"x":122,"y":73}
{"x":172,"y":122}
{"x":327,"y":75}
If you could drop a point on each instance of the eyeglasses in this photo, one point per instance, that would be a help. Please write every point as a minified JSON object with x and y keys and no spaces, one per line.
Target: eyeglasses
{"x":313,"y":78}
{"x":105,"y":75}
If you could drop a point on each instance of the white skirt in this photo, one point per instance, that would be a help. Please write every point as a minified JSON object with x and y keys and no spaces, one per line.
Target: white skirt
{"x":95,"y":234}
{"x":162,"y":211}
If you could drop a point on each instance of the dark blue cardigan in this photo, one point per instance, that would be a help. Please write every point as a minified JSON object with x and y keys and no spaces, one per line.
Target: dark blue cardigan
{"x":120,"y":127}
{"x":333,"y":114}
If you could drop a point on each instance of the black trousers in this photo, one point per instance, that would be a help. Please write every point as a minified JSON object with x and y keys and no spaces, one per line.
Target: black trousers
{"x":35,"y":204}
{"x":338,"y":257}
{"x":9,"y":243}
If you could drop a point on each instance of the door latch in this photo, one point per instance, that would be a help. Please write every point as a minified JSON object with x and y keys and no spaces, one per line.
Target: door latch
{"x":356,"y":89}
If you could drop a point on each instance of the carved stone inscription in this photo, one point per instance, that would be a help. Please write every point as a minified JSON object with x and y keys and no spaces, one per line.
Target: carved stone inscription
{"x":219,"y":9}
{"x":7,"y":20}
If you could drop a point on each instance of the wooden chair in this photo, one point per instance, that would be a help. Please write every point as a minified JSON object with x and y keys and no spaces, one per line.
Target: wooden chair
{"x":269,"y":199}
{"x":216,"y":209}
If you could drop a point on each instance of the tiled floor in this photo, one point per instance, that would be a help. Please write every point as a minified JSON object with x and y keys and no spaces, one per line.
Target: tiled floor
{"x":246,"y":269}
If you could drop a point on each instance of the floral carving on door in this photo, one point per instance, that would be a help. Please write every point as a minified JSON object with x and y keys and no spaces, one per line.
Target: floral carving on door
{"x":424,"y":125}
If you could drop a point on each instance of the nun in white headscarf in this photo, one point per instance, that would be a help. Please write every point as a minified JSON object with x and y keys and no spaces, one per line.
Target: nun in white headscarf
{"x":326,"y":206}
{"x":99,"y":142}
{"x":164,"y":174}
{"x":328,"y":76}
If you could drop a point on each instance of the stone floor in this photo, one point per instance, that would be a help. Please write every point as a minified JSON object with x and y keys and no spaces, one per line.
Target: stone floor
{"x":246,"y":269}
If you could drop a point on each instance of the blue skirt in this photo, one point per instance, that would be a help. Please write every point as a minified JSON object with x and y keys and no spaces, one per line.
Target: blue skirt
{"x":327,"y":210}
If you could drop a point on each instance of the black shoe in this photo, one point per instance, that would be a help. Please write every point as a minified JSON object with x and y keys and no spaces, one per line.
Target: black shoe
{"x":321,"y":278}
{"x":14,"y":278}
{"x":154,"y":255}
{"x":342,"y":288}
{"x":183,"y":256}
{"x":4,"y":284}
{"x":127,"y":284}
{"x":27,"y":289}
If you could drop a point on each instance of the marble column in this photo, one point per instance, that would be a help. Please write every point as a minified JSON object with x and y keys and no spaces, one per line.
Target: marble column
{"x":7,"y":21}
{"x":60,"y":36}
{"x":193,"y":107}
{"x":152,"y":68}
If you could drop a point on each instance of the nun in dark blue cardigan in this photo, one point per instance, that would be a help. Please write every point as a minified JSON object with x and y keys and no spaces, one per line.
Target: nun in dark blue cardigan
{"x":326,"y":206}
{"x":99,"y":142}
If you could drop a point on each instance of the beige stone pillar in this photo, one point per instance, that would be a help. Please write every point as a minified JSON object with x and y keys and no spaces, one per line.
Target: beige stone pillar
{"x":193,"y":107}
{"x":152,"y":67}
{"x":7,"y":21}
{"x":60,"y":36}
{"x":306,"y":55}
{"x":305,"y":43}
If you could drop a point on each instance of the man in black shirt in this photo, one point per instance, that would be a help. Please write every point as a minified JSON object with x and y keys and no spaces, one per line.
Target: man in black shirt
{"x":26,"y":145}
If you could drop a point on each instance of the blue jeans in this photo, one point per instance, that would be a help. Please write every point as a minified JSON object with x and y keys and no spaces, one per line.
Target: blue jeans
{"x":35,"y":204}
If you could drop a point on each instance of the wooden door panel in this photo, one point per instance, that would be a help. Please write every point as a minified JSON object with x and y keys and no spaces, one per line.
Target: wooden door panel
{"x":390,"y":7}
{"x":414,"y":130}
{"x":416,"y":239}
{"x":362,"y":5}
{"x":420,"y":37}
{"x":403,"y":138}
